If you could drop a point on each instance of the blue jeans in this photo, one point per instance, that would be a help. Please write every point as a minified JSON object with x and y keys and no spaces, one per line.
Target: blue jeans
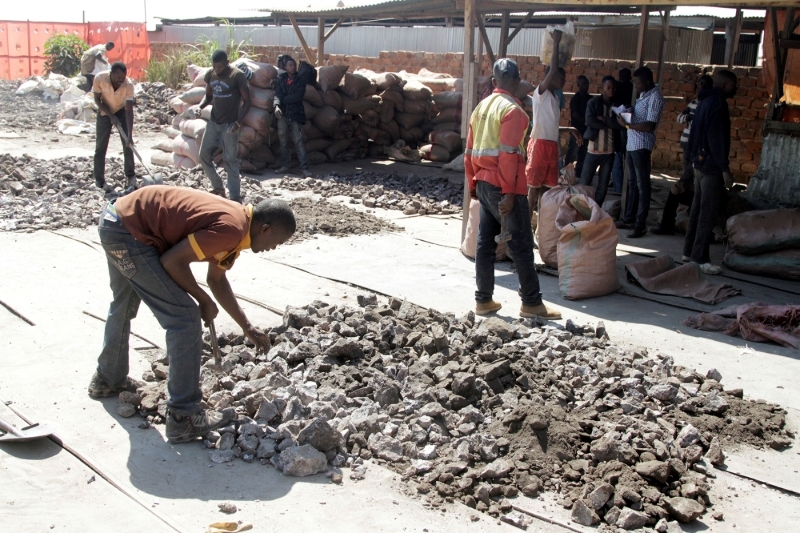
{"x":218,"y":136}
{"x":137,"y":275}
{"x":638,"y":204}
{"x":606,"y":163}
{"x":618,"y":172}
{"x":284,"y":126}
{"x":518,"y":223}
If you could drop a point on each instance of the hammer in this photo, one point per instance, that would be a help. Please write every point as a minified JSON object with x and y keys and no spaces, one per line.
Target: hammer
{"x":215,"y":347}
{"x":505,"y":235}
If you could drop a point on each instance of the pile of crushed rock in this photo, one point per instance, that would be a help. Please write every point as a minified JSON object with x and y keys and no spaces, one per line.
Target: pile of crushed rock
{"x":411,"y":194}
{"x":476,"y":412}
{"x":20,"y":113}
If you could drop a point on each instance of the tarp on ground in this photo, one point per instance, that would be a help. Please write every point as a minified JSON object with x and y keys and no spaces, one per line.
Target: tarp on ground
{"x":661,"y":275}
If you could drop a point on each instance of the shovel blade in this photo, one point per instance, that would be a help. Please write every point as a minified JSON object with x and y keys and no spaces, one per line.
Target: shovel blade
{"x":38,"y":432}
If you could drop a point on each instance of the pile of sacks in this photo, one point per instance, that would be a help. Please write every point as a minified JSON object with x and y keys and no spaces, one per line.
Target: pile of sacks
{"x":348,"y":116}
{"x":478,"y":412}
{"x":765,"y":243}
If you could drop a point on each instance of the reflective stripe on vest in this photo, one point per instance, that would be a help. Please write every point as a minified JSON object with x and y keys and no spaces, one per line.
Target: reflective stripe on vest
{"x":485,"y":123}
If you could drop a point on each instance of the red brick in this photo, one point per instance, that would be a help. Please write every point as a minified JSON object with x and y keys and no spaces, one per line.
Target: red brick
{"x":744,"y":155}
{"x":749,"y":167}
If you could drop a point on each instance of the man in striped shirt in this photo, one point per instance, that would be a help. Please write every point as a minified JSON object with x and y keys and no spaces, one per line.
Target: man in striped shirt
{"x":603,"y":137}
{"x":641,"y":140}
{"x":681,"y":192}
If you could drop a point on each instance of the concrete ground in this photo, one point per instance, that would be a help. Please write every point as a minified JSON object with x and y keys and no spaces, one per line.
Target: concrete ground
{"x":54,"y":280}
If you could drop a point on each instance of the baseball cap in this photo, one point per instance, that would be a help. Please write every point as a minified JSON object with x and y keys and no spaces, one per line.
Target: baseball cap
{"x":505,"y":68}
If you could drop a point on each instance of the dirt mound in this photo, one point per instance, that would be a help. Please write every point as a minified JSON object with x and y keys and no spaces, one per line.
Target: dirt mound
{"x":26,"y":112}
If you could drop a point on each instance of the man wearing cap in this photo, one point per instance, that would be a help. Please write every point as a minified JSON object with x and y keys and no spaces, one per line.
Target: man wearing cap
{"x":543,"y":149}
{"x":495,"y":169}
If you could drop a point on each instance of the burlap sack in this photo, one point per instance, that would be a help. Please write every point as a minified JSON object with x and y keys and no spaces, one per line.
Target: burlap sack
{"x":327,"y":120}
{"x":354,"y":85}
{"x":193,"y":128}
{"x":448,"y":99}
{"x":332,"y":99}
{"x":258,"y":119}
{"x":187,"y":147}
{"x":587,"y":249}
{"x":262,"y":98}
{"x":434,"y":152}
{"x":330,"y":76}
{"x":757,"y":232}
{"x":449,"y":140}
{"x":171,"y":132}
{"x":408,"y":121}
{"x":313,"y":97}
{"x":193,"y":96}
{"x":470,"y":243}
{"x":546,"y":230}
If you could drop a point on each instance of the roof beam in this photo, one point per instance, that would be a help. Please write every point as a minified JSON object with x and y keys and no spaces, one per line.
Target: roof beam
{"x":485,"y":37}
{"x":335,"y":27}
{"x":311,"y":58}
{"x":519,"y":27}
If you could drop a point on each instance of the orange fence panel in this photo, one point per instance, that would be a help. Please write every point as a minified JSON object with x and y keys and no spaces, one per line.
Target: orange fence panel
{"x":22,"y":45}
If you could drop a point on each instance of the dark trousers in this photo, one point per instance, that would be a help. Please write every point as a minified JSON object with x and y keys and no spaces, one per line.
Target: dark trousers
{"x":606,"y":164}
{"x":709,"y":190}
{"x":671,"y":206}
{"x":518,"y":223}
{"x":89,"y":81}
{"x":577,"y":154}
{"x":104,"y":129}
{"x":638,"y":203}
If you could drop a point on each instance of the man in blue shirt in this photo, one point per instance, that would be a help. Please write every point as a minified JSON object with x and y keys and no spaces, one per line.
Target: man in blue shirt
{"x":641,"y":141}
{"x":709,"y":146}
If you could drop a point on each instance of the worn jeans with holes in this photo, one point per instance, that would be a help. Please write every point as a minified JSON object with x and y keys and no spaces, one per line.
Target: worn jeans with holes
{"x":104,"y":129}
{"x":709,"y":192}
{"x":284,"y":126}
{"x":638,"y":202}
{"x":606,"y":164}
{"x":137,"y":275}
{"x":218,"y":136}
{"x":518,"y":223}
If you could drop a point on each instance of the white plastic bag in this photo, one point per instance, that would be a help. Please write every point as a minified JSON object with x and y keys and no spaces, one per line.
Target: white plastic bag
{"x":29,"y":86}
{"x":565,"y":48}
{"x":74,"y":127}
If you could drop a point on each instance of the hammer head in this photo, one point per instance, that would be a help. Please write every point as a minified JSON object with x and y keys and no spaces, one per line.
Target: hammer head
{"x":504,"y":236}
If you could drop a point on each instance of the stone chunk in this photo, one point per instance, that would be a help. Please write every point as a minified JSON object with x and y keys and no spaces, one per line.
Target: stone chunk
{"x":657,"y":470}
{"x":630,"y":519}
{"x":321,"y":436}
{"x":583,"y":514}
{"x":126,"y":410}
{"x":714,"y":374}
{"x":688,"y":436}
{"x":498,"y":327}
{"x":490,"y":371}
{"x":220,"y":456}
{"x":684,"y":509}
{"x":367,"y":299}
{"x":302,"y":461}
{"x":498,"y":468}
{"x":385,"y":447}
{"x":599,"y":496}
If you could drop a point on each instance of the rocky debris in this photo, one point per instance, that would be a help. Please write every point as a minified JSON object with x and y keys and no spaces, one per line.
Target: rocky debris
{"x":320,"y":217}
{"x":152,"y":105}
{"x":412,"y":194}
{"x":20,"y":113}
{"x":492,"y":410}
{"x":227,"y":507}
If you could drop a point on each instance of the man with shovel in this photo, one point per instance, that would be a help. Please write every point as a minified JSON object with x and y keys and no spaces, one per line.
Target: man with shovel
{"x":495,"y":167}
{"x":111,"y":89}
{"x":151,"y":237}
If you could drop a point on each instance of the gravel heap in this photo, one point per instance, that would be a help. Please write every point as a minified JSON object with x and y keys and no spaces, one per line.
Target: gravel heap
{"x":152,"y":106}
{"x":411,"y":194}
{"x":475,"y":411}
{"x":26,"y":112}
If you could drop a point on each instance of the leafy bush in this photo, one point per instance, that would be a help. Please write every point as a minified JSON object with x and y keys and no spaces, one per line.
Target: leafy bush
{"x":64,"y":54}
{"x":236,"y":49}
{"x":171,"y":69}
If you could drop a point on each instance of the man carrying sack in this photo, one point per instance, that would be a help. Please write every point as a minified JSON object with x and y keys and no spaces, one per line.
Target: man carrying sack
{"x":495,"y":170}
{"x":151,"y":237}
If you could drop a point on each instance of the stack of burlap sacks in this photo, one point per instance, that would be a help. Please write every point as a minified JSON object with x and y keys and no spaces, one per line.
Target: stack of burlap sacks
{"x":765,"y":243}
{"x":348,"y":116}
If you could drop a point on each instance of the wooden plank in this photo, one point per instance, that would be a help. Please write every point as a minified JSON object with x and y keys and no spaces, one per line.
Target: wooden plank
{"x":737,"y":31}
{"x":645,"y":18}
{"x":320,"y":41}
{"x":470,"y":97}
{"x":485,"y":38}
{"x":502,"y":49}
{"x":790,"y":43}
{"x":662,"y":45}
{"x":335,"y":27}
{"x":311,"y":57}
{"x":520,"y":26}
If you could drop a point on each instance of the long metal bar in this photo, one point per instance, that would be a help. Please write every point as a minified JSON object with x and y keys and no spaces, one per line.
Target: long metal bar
{"x":311,"y":58}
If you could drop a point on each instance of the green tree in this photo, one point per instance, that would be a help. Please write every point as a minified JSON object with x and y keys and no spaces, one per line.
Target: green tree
{"x":64,"y":54}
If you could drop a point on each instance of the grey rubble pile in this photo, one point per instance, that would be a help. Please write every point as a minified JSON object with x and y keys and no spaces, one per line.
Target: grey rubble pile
{"x":411,"y":194}
{"x":25,"y":112}
{"x":476,"y":412}
{"x":152,"y":106}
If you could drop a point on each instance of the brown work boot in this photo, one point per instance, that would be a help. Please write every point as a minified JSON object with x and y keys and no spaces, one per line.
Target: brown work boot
{"x":539,"y":311}
{"x":485,"y":308}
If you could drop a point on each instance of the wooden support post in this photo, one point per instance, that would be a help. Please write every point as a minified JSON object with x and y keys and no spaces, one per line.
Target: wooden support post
{"x":335,"y":27}
{"x":470,"y":97}
{"x":642,"y":36}
{"x":485,"y":39}
{"x":662,"y":45}
{"x":320,"y":41}
{"x":732,"y":42}
{"x":519,"y":27}
{"x":502,"y":49}
{"x":309,"y":56}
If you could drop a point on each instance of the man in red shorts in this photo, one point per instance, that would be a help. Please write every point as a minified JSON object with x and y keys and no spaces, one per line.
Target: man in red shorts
{"x":541,"y":170}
